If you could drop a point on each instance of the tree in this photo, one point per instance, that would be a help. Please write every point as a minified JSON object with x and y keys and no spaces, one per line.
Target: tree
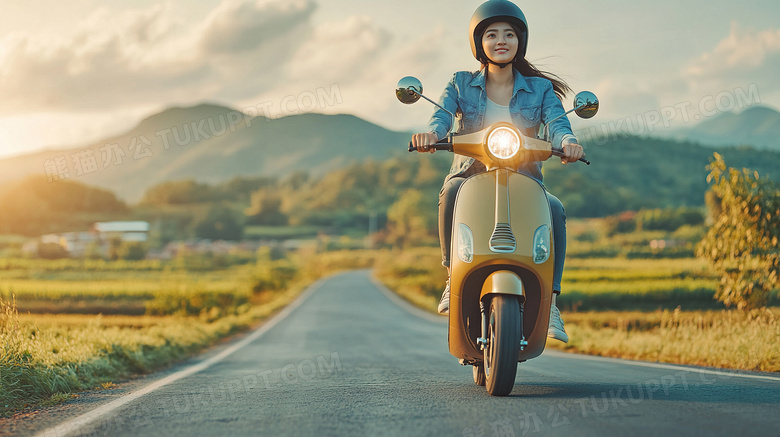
{"x":178,"y":193}
{"x":132,"y":250}
{"x":412,"y":219}
{"x":266,"y":208}
{"x":221,"y":223}
{"x":742,"y":243}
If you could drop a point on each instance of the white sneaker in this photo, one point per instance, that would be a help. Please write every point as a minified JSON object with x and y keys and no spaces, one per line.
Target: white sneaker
{"x":444,"y":303}
{"x":556,"y":329}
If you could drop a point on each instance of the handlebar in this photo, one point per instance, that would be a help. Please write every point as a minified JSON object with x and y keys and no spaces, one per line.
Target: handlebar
{"x":437,"y":146}
{"x":447,"y":145}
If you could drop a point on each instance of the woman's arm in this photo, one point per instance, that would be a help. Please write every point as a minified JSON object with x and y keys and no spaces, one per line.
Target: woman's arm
{"x":441,"y":122}
{"x":561,"y":134}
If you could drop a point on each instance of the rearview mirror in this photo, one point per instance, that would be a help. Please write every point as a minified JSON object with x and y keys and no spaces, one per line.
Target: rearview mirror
{"x":586,"y":104}
{"x":408,"y":90}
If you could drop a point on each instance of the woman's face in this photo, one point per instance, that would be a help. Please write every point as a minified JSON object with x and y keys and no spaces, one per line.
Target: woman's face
{"x":500,"y":42}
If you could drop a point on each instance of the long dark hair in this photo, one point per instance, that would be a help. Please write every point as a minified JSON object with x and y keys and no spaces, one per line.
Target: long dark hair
{"x":528,"y":70}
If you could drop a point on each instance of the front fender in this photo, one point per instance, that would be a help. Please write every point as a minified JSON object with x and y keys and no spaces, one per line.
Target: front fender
{"x":503,"y":282}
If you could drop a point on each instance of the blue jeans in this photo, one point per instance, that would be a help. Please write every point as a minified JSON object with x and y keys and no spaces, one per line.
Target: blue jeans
{"x":447,"y":207}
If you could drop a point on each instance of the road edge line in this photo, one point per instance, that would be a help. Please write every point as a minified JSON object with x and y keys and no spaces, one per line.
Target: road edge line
{"x":401,"y":302}
{"x":680,"y":367}
{"x":71,"y":426}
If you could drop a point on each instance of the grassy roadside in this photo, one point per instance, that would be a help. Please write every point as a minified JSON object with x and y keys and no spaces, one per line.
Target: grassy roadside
{"x":724,"y":339}
{"x":642,"y":320}
{"x":46,"y":359}
{"x":43,"y":362}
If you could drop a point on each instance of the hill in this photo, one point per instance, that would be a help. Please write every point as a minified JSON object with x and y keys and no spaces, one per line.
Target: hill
{"x":33,"y":206}
{"x":640,"y":172}
{"x":211,"y":143}
{"x":757,"y":126}
{"x":214,"y":144}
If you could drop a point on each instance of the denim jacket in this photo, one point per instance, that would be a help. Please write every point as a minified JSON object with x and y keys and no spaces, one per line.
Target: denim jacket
{"x":533,"y":101}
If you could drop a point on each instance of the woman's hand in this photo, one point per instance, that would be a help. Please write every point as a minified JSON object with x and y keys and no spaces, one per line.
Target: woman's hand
{"x":571,"y":151}
{"x":422,"y":141}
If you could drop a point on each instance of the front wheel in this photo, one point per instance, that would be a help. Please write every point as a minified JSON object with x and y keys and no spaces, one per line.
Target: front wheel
{"x":501,"y":353}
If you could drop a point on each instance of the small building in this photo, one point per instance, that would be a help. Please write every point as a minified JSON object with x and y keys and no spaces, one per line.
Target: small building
{"x":136,"y":231}
{"x":77,"y":244}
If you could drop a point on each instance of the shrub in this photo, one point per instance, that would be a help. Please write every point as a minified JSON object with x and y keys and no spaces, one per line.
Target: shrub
{"x":742,"y":244}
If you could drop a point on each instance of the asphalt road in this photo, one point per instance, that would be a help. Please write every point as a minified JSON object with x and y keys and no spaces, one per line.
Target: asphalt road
{"x":349,"y":360}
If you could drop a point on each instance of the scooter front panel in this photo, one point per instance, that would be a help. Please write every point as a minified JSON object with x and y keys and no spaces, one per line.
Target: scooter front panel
{"x":480,"y":203}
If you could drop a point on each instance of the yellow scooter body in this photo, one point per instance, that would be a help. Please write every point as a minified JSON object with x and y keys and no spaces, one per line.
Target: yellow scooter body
{"x":485,"y":203}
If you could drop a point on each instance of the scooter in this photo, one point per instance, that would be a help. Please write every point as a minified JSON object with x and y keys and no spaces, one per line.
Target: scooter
{"x":502,"y":245}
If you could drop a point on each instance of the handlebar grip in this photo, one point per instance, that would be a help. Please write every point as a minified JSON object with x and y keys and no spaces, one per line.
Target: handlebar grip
{"x":438,"y":146}
{"x":557,"y":151}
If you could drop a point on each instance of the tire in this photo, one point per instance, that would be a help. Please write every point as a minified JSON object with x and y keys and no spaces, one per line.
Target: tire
{"x":479,"y":374}
{"x":501,"y":353}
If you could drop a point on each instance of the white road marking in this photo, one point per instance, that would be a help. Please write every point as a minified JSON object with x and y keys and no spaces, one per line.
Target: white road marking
{"x":680,"y":367}
{"x":73,"y":425}
{"x":401,"y":302}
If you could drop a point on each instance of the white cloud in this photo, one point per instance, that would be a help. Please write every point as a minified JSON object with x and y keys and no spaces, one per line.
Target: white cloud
{"x":745,"y":56}
{"x":340,"y":51}
{"x":237,"y":26}
{"x":147,"y":57}
{"x":364,"y":63}
{"x":622,"y":98}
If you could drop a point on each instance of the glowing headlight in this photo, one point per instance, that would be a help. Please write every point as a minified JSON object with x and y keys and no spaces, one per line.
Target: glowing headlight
{"x":465,"y":243}
{"x":503,"y":143}
{"x":541,"y":249}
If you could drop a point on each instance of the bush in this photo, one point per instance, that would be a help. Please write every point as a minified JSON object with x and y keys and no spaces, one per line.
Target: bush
{"x":669,"y":219}
{"x":273,"y":275}
{"x":132,"y":251}
{"x":221,"y":223}
{"x":51,"y":251}
{"x":742,"y":244}
{"x":620,"y":224}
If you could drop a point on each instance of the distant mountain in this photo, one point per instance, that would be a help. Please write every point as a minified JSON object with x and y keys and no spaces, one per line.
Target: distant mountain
{"x":211,"y":143}
{"x":757,"y":126}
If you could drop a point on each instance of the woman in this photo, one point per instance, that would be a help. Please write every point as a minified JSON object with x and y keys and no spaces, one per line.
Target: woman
{"x":506,"y":88}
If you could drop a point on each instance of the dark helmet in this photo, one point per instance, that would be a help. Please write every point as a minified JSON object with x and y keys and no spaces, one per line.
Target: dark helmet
{"x":493,"y":11}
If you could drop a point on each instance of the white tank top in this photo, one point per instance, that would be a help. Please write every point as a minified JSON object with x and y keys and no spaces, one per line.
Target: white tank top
{"x":495,"y":113}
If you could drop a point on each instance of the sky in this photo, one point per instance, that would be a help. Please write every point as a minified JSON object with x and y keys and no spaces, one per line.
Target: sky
{"x":75,"y":72}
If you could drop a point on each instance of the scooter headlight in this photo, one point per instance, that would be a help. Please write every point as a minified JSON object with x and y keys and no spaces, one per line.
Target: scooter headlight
{"x":503,"y":142}
{"x":541,"y":249}
{"x":465,"y":243}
